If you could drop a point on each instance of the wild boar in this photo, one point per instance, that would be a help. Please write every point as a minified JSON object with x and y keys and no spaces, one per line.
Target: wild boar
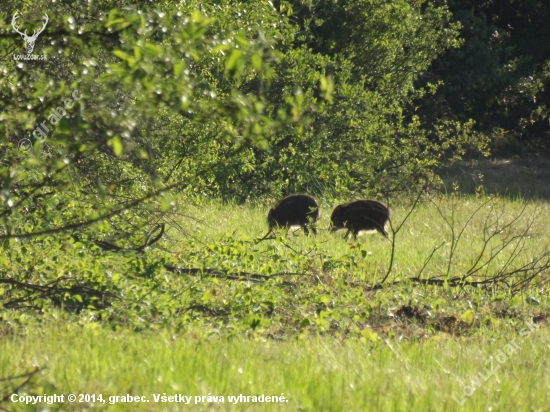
{"x":360,"y":215}
{"x":294,"y":210}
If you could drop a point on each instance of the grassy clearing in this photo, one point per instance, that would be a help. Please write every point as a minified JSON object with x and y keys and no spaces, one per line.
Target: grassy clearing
{"x":337,"y":275}
{"x":314,"y":329}
{"x":424,"y":230}
{"x":314,"y":374}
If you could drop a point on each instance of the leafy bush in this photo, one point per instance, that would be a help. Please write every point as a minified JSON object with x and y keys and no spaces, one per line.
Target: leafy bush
{"x":198,"y":99}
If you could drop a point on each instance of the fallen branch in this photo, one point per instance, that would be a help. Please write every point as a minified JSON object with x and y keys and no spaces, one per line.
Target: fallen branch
{"x":242,"y":276}
{"x":150,"y":240}
{"x":28,"y":375}
{"x":53,"y":291}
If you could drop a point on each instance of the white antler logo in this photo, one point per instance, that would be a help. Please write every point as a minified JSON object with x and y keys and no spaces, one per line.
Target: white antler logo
{"x":29,"y":39}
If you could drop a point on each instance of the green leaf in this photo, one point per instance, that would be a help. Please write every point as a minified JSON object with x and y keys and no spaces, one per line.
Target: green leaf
{"x":153,"y":50}
{"x":166,"y":204}
{"x":122,"y":55}
{"x":257,"y":62}
{"x":233,"y":60}
{"x":116,"y":144}
{"x":516,"y":301}
{"x":116,"y":21}
{"x":178,"y":68}
{"x":137,"y":52}
{"x":220,"y":47}
{"x":243,"y":42}
{"x":468,"y":316}
{"x":369,"y":335}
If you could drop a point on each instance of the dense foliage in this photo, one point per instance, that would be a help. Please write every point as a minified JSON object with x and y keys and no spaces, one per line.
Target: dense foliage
{"x":137,"y":106}
{"x":500,"y":75}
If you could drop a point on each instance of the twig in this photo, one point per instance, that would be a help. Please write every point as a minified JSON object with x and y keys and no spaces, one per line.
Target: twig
{"x":28,"y":375}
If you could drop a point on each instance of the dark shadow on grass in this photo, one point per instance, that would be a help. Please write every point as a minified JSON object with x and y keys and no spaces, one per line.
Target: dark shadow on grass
{"x":527,"y":178}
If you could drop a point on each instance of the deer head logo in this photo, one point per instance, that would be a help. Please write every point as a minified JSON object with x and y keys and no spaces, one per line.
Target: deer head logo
{"x":29,"y":40}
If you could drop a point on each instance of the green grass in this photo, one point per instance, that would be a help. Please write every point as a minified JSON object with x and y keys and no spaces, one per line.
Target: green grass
{"x":313,"y":374}
{"x":315,"y":329}
{"x":424,"y":230}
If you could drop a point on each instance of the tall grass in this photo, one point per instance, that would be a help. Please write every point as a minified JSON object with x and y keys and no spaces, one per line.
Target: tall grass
{"x":426,"y":228}
{"x":326,"y":339}
{"x":318,"y":374}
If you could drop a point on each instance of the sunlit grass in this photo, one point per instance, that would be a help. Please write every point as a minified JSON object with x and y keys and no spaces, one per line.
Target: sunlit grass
{"x":473,"y":218}
{"x":313,"y":374}
{"x":328,"y":341}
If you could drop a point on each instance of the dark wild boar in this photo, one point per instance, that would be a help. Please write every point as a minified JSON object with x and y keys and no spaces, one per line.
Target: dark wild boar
{"x":294,"y":210}
{"x":360,"y":215}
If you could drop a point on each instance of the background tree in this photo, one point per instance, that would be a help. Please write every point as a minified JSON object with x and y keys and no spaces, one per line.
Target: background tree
{"x":499,"y":76}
